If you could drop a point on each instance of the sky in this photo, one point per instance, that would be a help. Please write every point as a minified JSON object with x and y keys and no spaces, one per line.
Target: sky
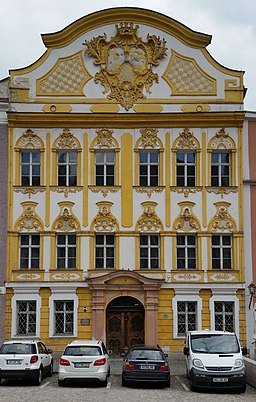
{"x":232,"y":24}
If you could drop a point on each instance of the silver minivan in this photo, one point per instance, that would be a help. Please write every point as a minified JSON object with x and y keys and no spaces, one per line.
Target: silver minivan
{"x":214,"y":359}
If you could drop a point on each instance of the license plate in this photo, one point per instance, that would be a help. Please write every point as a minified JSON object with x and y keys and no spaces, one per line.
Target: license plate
{"x":223,"y":379}
{"x":14,"y":362}
{"x":147,"y":367}
{"x":81,"y":365}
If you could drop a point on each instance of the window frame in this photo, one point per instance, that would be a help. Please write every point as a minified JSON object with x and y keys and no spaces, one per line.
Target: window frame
{"x":182,"y":296}
{"x":220,"y":297}
{"x":28,"y":313}
{"x":149,"y":177}
{"x":104,"y":246}
{"x":29,"y":247}
{"x":149,"y":247}
{"x":222,"y":247}
{"x":221,"y":177}
{"x":224,"y":314}
{"x":66,"y":247}
{"x":105,"y":164}
{"x":187,"y":247}
{"x":25,"y":296}
{"x":67,"y":164}
{"x":186,"y":165}
{"x":65,"y":312}
{"x":30,"y":164}
{"x":69,"y":293}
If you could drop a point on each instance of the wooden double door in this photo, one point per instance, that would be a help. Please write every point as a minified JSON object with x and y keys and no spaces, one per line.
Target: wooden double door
{"x":125,"y":325}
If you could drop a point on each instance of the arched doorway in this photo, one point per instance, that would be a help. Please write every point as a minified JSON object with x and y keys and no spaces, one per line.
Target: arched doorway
{"x":124,"y":323}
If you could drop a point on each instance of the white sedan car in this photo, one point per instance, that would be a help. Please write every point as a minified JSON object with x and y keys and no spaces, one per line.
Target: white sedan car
{"x":25,"y":359}
{"x":86,"y":361}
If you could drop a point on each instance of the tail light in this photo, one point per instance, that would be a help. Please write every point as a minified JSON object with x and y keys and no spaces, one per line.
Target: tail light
{"x":100,"y":362}
{"x":64,"y":362}
{"x":33,"y":359}
{"x":129,"y":366}
{"x":164,"y":367}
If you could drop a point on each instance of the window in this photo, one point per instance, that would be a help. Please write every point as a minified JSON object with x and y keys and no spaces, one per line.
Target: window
{"x":105,"y":168}
{"x":186,"y":251}
{"x":26,"y":317}
{"x":67,"y":168}
{"x":66,"y":251}
{"x":29,"y":251}
{"x":186,"y":168}
{"x":64,"y":317}
{"x":187,"y":317}
{"x":224,"y":316}
{"x":220,"y":169}
{"x":221,"y":252}
{"x":149,"y":252}
{"x":104,"y":251}
{"x":30,"y":168}
{"x":149,"y":168}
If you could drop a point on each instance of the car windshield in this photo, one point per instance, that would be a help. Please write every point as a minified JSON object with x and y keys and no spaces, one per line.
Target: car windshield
{"x":17,"y":348}
{"x":214,"y":343}
{"x":83,"y":351}
{"x":143,"y":354}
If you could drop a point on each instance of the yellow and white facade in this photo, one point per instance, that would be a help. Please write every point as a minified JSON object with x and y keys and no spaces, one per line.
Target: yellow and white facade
{"x":125,"y":186}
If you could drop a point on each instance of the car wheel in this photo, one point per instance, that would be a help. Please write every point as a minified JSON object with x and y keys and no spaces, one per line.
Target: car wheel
{"x":109,"y":372}
{"x":242,"y":390}
{"x":124,"y":382}
{"x":50,"y":370}
{"x":61,"y":383}
{"x":191,"y":384}
{"x":104,"y":383}
{"x":39,"y":378}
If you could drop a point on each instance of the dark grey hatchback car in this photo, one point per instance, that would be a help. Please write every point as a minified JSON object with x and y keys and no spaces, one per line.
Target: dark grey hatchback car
{"x":145,"y":364}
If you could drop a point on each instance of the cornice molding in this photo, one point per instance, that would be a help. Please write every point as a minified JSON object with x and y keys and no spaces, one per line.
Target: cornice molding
{"x":212,"y":119}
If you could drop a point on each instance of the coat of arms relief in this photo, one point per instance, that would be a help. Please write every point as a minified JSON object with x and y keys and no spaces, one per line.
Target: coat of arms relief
{"x":126,"y":63}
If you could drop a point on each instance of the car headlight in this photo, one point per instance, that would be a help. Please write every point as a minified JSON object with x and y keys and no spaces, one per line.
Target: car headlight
{"x":238,"y":363}
{"x":198,"y":363}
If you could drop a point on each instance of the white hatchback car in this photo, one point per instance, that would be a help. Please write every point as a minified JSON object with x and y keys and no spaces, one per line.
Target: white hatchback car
{"x":84,"y":360}
{"x":25,"y":359}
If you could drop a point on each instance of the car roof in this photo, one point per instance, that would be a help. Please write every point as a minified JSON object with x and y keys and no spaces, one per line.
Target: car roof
{"x":210,"y":332}
{"x":85,"y":343}
{"x":143,"y":347}
{"x":27,"y":341}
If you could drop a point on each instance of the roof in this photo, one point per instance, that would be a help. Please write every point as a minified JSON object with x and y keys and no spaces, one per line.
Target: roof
{"x":210,"y":332}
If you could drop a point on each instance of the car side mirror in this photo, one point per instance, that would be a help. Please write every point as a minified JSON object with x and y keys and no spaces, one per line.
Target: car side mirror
{"x":123,"y":354}
{"x":49,"y":351}
{"x":186,"y":351}
{"x":166,"y":354}
{"x":244,"y":351}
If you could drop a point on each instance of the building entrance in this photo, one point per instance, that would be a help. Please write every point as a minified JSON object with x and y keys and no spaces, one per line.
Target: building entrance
{"x":125,"y":323}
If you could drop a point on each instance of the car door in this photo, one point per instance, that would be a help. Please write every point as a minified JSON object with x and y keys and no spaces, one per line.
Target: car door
{"x":44,"y":357}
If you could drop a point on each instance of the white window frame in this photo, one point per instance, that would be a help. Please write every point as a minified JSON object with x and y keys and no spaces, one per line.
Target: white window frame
{"x":219,"y":164}
{"x":62,"y":295}
{"x":186,"y":298}
{"x":148,"y":164}
{"x":186,"y":247}
{"x":29,"y":246}
{"x":66,"y":247}
{"x":186,"y":165}
{"x":23,"y":295}
{"x":30,"y":164}
{"x":222,"y":247}
{"x":105,"y":164}
{"x":150,"y":248}
{"x":225,"y":298}
{"x":67,"y":164}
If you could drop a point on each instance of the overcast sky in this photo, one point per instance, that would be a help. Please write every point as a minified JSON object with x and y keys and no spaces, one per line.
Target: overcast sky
{"x":232,"y":24}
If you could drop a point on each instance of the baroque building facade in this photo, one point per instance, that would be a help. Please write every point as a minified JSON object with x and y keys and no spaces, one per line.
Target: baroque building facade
{"x":126,"y":211}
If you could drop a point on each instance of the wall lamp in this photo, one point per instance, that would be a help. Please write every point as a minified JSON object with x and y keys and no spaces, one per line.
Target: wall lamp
{"x":252,"y":291}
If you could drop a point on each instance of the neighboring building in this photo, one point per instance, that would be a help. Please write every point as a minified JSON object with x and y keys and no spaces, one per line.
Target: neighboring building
{"x":250,"y":227}
{"x":3,"y":196}
{"x":126,"y":213}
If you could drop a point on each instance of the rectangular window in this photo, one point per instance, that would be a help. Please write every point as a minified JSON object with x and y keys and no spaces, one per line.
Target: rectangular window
{"x":104,"y":251}
{"x":149,"y":252}
{"x":63,"y":317}
{"x":29,"y":251}
{"x":67,"y":168}
{"x":186,"y":169}
{"x":30,"y":168}
{"x":187,"y":317}
{"x":66,"y":251}
{"x":220,"y":169}
{"x":105,"y":168}
{"x":26,"y":317}
{"x":186,"y":251}
{"x":224,"y":316}
{"x":221,"y":252}
{"x":149,"y":168}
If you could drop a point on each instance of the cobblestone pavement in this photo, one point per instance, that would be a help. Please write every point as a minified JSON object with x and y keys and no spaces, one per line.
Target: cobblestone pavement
{"x":49,"y":391}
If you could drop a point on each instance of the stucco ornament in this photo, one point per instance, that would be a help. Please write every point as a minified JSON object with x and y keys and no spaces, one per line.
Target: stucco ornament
{"x":29,"y":220}
{"x":186,"y":140}
{"x":105,"y":138}
{"x":66,"y":140}
{"x":222,"y":221}
{"x":29,"y":140}
{"x":149,"y":221}
{"x":66,"y":221}
{"x":126,"y":63}
{"x":222,"y":140}
{"x":104,"y":220}
{"x":186,"y":220}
